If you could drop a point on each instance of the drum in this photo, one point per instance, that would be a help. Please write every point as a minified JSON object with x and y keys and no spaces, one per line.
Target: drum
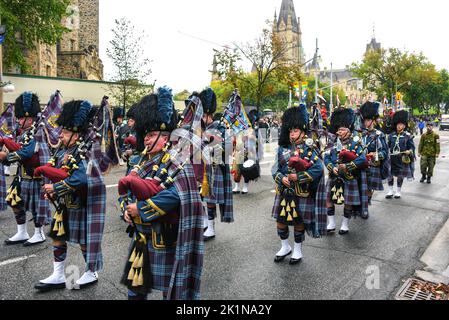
{"x":250,"y":170}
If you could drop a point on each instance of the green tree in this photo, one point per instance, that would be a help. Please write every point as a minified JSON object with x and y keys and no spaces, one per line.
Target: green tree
{"x":131,"y":68}
{"x":29,"y":22}
{"x":267,"y":54}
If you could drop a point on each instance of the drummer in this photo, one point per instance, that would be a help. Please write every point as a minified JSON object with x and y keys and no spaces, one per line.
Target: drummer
{"x":245,"y":162}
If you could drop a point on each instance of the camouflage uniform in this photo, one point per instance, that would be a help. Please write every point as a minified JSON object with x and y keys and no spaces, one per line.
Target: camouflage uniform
{"x":429,"y":148}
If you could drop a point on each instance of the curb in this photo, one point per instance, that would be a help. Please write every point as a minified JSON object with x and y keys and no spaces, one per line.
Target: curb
{"x":436,"y":258}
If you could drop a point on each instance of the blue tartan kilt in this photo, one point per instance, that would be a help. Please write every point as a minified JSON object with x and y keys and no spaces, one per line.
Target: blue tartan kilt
{"x":77,"y":220}
{"x":30,"y":194}
{"x":374,"y":179}
{"x":305,"y":207}
{"x":161,"y":261}
{"x":216,"y":194}
{"x":351,"y":192}
{"x":398,"y":168}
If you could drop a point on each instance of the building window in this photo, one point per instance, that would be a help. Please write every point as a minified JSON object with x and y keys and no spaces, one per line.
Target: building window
{"x":48,"y":71}
{"x":72,"y":45}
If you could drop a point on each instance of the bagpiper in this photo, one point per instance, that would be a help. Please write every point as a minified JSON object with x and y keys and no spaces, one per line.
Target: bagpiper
{"x":346,"y":163}
{"x":166,"y":252}
{"x":25,"y":194}
{"x":376,"y":149}
{"x":300,"y":187}
{"x":402,"y":153}
{"x":216,"y":188}
{"x":79,"y":194}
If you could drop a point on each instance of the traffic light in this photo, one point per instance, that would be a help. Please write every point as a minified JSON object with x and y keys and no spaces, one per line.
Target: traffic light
{"x":398,"y":96}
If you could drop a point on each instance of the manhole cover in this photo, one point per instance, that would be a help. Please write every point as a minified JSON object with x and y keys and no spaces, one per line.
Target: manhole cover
{"x":415,"y":289}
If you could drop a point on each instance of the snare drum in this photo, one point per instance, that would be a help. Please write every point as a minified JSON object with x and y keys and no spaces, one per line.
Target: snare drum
{"x":250,"y":170}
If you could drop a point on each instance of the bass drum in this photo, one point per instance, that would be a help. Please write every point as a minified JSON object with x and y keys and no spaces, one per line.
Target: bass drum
{"x":250,"y":170}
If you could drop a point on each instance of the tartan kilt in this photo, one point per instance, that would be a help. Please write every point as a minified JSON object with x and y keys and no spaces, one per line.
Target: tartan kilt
{"x":31,"y":195}
{"x":77,"y":221}
{"x":216,"y":194}
{"x":305,"y":207}
{"x":398,"y":168}
{"x":374,"y":179}
{"x":162,"y":261}
{"x":351,"y":191}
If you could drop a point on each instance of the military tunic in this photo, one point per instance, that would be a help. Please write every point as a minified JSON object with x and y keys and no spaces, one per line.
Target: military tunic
{"x":429,"y":149}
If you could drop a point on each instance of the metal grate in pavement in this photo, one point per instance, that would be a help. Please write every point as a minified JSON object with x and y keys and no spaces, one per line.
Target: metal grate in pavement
{"x":410,"y":291}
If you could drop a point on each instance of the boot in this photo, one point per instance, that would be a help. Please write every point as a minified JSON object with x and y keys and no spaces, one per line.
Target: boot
{"x":285,"y":251}
{"x":423,"y":178}
{"x":236,"y":189}
{"x":20,"y":237}
{"x":245,"y":188}
{"x":210,"y":232}
{"x":297,"y":254}
{"x":39,"y":237}
{"x":344,"y":227}
{"x":55,"y":281}
{"x":390,"y":193}
{"x":331,"y":226}
{"x":87,"y":279}
{"x":428,"y":180}
{"x":397,"y":195}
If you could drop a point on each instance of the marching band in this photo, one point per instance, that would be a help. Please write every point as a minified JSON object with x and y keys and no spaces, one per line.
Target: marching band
{"x":178,"y":175}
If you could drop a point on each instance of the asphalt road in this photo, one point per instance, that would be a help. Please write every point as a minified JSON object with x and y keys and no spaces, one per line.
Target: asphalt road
{"x":239,"y":262}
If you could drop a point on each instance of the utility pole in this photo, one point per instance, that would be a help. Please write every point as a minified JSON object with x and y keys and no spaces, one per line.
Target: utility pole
{"x":316,"y":72}
{"x":331,"y":103}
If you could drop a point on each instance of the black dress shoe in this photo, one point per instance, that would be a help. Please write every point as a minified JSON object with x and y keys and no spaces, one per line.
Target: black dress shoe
{"x":294,"y":261}
{"x":389,"y":197}
{"x":11,"y":243}
{"x":278,"y":259}
{"x":235,"y":192}
{"x":45,"y":287}
{"x":29,"y":244}
{"x":342,"y":232}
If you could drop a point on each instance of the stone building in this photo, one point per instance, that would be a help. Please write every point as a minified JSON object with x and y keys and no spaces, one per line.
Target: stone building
{"x":76,"y":54}
{"x":288,"y":27}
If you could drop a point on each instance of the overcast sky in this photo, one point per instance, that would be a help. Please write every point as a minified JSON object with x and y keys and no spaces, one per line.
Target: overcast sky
{"x":343,"y":28}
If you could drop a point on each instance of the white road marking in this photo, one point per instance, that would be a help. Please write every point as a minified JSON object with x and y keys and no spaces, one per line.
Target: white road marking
{"x":10,"y":261}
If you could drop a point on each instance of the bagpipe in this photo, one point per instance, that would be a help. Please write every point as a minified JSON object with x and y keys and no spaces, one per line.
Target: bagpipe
{"x":136,"y":274}
{"x":59,"y":228}
{"x":344,"y":156}
{"x":296,"y":164}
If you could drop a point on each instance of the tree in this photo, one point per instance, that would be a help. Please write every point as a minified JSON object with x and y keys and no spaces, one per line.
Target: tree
{"x":29,"y":22}
{"x":389,"y":71}
{"x":131,"y":68}
{"x":268,"y":56}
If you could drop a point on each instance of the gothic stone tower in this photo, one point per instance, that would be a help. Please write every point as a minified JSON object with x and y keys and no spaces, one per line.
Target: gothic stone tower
{"x":78,"y":49}
{"x":288,"y":27}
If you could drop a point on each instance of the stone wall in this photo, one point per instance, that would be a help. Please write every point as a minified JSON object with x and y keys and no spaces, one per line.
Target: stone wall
{"x":89,"y":23}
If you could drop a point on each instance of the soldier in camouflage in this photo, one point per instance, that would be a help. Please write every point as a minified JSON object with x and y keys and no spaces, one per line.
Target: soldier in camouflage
{"x":429,"y":151}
